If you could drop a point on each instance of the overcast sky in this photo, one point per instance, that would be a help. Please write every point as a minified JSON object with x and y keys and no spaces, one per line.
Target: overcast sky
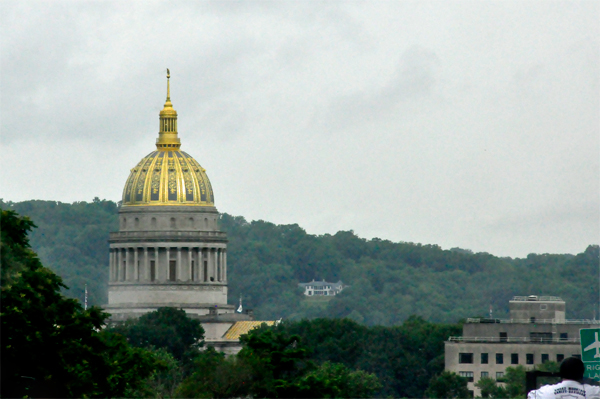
{"x":469,"y":124}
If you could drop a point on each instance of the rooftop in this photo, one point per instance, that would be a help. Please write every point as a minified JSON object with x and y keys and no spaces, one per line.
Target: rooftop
{"x":321,"y":283}
{"x":529,"y":321}
{"x":243,"y":327}
{"x":531,"y":298}
{"x":515,"y":340}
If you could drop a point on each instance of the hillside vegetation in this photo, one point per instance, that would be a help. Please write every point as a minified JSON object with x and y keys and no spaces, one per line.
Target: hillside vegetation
{"x":388,"y":281}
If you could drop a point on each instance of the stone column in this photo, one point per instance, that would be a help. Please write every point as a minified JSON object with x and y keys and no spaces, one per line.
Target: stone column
{"x":119,"y":265}
{"x":211,"y":264}
{"x":216,"y":262}
{"x":219,"y":265}
{"x":136,"y":269}
{"x":122,"y":264}
{"x":204,"y":258}
{"x":196,"y":255}
{"x":189,"y":266}
{"x":115,"y":264}
{"x":224,"y":264}
{"x":168,"y":263}
{"x":110,"y":264}
{"x":128,"y":274}
{"x":146,"y":273}
{"x":178,"y":269}
{"x":155,"y":263}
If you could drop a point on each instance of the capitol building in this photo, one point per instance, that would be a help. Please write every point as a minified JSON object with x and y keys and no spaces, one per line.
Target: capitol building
{"x":169,"y":250}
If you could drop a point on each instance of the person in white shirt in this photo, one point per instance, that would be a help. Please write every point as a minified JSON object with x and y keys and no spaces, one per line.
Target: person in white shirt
{"x":571,"y":387}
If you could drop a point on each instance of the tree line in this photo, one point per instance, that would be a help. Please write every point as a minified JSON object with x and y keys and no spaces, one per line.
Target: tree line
{"x":53,"y":347}
{"x":388,"y":281}
{"x":56,"y":348}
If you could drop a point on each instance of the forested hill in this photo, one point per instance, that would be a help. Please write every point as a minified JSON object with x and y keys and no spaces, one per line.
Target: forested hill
{"x":388,"y":281}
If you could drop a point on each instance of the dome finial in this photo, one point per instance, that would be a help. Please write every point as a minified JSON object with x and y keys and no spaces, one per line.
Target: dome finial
{"x":167,"y":134}
{"x":168,"y":86}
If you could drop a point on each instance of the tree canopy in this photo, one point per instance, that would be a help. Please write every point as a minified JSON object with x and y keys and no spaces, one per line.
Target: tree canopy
{"x":51,"y":346}
{"x":167,"y":328}
{"x":448,"y":385}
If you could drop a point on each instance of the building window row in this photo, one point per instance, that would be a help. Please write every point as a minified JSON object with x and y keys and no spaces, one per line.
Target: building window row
{"x":486,"y":374}
{"x":467,"y":358}
{"x":536,"y":336}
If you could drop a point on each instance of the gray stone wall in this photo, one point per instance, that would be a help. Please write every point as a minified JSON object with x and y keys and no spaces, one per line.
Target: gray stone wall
{"x":168,"y":218}
{"x":167,"y":256}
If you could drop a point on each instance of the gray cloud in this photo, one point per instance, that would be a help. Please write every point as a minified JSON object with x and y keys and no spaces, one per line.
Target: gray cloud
{"x":471,"y":124}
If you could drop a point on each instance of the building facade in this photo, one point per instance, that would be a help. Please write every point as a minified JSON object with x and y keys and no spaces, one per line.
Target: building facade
{"x":169,"y":250}
{"x":536,"y":332}
{"x":322,"y":288}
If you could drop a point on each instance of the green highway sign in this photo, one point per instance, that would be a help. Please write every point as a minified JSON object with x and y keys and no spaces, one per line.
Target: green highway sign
{"x":590,"y":352}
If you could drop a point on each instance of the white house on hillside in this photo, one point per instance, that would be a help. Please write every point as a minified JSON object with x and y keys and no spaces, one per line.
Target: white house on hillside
{"x":322,"y":288}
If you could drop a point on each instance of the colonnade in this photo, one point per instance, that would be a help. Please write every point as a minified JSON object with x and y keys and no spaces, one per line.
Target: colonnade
{"x":168,"y":264}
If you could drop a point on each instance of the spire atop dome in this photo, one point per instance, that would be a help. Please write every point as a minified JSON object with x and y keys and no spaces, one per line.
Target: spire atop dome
{"x":167,"y":135}
{"x":168,"y":86}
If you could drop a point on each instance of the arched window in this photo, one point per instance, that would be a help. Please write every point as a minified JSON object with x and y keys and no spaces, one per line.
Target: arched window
{"x":136,"y":223}
{"x":153,"y":223}
{"x":123,"y":223}
{"x":205,"y":223}
{"x":191,"y":223}
{"x":173,"y":223}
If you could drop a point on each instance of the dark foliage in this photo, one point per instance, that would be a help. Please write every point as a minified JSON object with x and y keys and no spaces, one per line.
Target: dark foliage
{"x":448,"y":385}
{"x":404,"y":358}
{"x":51,"y":346}
{"x":167,"y":328}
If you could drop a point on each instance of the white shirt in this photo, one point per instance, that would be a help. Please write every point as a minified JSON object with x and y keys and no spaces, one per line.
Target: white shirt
{"x":568,"y":389}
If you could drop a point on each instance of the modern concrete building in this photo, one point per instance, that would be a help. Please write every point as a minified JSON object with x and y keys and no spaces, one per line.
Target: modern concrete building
{"x":536,"y":332}
{"x":321,"y":288}
{"x":169,"y":250}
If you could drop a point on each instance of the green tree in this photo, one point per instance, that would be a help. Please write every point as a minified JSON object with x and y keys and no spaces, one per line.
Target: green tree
{"x":216,"y":376}
{"x":276,"y":361}
{"x":334,"y":380}
{"x":514,"y":384}
{"x":168,"y":328}
{"x":281,"y":369}
{"x":164,"y":381}
{"x":447,"y":385}
{"x":490,"y":389}
{"x":514,"y":380}
{"x":51,"y":346}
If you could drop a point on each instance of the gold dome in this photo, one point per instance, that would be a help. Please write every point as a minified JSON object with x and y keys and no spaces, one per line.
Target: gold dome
{"x":168,"y":176}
